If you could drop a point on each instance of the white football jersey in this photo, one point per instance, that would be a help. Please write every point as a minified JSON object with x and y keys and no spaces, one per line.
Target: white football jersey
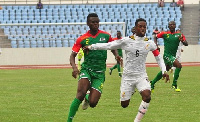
{"x":136,"y":50}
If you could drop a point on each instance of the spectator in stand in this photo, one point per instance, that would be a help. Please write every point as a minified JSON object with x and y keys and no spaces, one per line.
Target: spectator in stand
{"x":39,"y":5}
{"x":161,"y":3}
{"x":173,"y":4}
{"x":1,"y":7}
{"x":180,"y":3}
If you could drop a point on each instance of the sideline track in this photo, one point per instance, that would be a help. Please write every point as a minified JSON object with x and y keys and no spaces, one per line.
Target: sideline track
{"x":68,"y":66}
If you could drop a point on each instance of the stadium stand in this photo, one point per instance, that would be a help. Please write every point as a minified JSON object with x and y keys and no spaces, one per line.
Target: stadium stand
{"x":64,"y":36}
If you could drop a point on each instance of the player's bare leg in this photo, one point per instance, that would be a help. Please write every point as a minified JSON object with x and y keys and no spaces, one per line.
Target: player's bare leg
{"x":94,"y":97}
{"x":83,"y":86}
{"x":146,"y":97}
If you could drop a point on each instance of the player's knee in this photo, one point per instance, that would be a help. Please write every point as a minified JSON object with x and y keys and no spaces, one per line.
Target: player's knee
{"x":124,"y":104}
{"x":147,"y":99}
{"x":80,"y":95}
{"x":93,"y":104}
{"x":179,"y":66}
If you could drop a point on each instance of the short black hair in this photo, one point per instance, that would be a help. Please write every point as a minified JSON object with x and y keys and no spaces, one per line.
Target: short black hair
{"x":138,"y":20}
{"x":118,"y":31}
{"x":172,"y":22}
{"x":91,"y":15}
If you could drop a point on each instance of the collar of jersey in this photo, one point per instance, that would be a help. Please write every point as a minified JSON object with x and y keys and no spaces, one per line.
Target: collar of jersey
{"x":139,"y":38}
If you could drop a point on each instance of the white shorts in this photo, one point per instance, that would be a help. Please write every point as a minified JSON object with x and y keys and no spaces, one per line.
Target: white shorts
{"x":178,"y":57}
{"x":128,"y":85}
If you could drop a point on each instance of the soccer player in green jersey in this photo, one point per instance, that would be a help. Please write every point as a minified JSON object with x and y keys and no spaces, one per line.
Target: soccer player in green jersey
{"x":120,"y":53}
{"x":171,"y":43}
{"x":92,"y":73}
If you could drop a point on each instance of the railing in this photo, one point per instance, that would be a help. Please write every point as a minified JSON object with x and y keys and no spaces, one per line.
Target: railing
{"x":7,"y":2}
{"x":12,"y":2}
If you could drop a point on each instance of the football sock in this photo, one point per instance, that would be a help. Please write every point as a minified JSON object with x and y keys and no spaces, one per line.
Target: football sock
{"x":73,"y":109}
{"x":157,"y":78}
{"x":87,"y":97}
{"x":176,"y":75}
{"x":118,"y":68}
{"x":141,"y":112}
{"x":114,"y":67}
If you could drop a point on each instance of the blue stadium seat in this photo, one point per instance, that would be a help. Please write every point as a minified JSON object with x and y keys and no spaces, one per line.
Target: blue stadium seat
{"x":33,"y":43}
{"x":58,"y":43}
{"x":26,"y":44}
{"x":39,"y":43}
{"x":46,"y":43}
{"x":13,"y":43}
{"x":52,"y":42}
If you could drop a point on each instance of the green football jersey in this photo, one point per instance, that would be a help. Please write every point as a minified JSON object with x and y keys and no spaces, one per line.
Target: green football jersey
{"x":94,"y":60}
{"x":171,"y":42}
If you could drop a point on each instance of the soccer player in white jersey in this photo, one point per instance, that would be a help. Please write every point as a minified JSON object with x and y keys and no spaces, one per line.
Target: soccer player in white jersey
{"x":134,"y":73}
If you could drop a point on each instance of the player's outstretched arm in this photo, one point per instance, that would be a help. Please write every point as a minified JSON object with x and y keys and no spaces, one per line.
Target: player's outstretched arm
{"x":183,"y":40}
{"x":105,"y":46}
{"x":156,"y":42}
{"x":161,"y":64}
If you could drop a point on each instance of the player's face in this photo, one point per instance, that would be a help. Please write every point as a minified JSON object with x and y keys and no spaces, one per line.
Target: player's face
{"x":140,"y":28}
{"x":172,"y":26}
{"x":93,"y":23}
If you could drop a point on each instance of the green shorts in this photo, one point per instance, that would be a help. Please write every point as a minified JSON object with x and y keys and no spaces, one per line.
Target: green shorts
{"x":169,"y":59}
{"x":96,"y":79}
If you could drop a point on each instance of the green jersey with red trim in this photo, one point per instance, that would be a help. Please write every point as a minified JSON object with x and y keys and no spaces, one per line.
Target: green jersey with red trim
{"x":95,"y":59}
{"x":171,"y":42}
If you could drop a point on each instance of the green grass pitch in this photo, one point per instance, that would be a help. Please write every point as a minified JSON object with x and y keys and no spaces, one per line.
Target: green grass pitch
{"x":44,"y":95}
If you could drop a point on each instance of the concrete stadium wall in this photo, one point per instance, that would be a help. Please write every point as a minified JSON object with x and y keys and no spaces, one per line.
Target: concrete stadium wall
{"x":57,"y":56}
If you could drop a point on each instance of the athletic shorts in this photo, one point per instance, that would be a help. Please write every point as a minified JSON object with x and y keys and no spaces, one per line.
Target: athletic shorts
{"x":129,"y":83}
{"x":178,"y":56}
{"x":96,"y":79}
{"x":169,"y":59}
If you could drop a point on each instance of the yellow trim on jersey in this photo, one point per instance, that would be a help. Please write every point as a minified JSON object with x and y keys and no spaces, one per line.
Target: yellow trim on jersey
{"x":132,"y":37}
{"x":146,"y":39}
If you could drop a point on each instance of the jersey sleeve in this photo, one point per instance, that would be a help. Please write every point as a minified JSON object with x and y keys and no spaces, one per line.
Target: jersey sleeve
{"x":153,"y":45}
{"x":110,"y":39}
{"x":108,"y":46}
{"x":160,"y":35}
{"x":77,"y":45}
{"x":183,"y":37}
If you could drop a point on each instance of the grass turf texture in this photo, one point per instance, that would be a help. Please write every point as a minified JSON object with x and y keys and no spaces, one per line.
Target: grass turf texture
{"x":40,"y":95}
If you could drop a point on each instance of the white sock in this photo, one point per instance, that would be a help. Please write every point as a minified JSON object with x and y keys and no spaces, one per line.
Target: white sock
{"x":142,"y":110}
